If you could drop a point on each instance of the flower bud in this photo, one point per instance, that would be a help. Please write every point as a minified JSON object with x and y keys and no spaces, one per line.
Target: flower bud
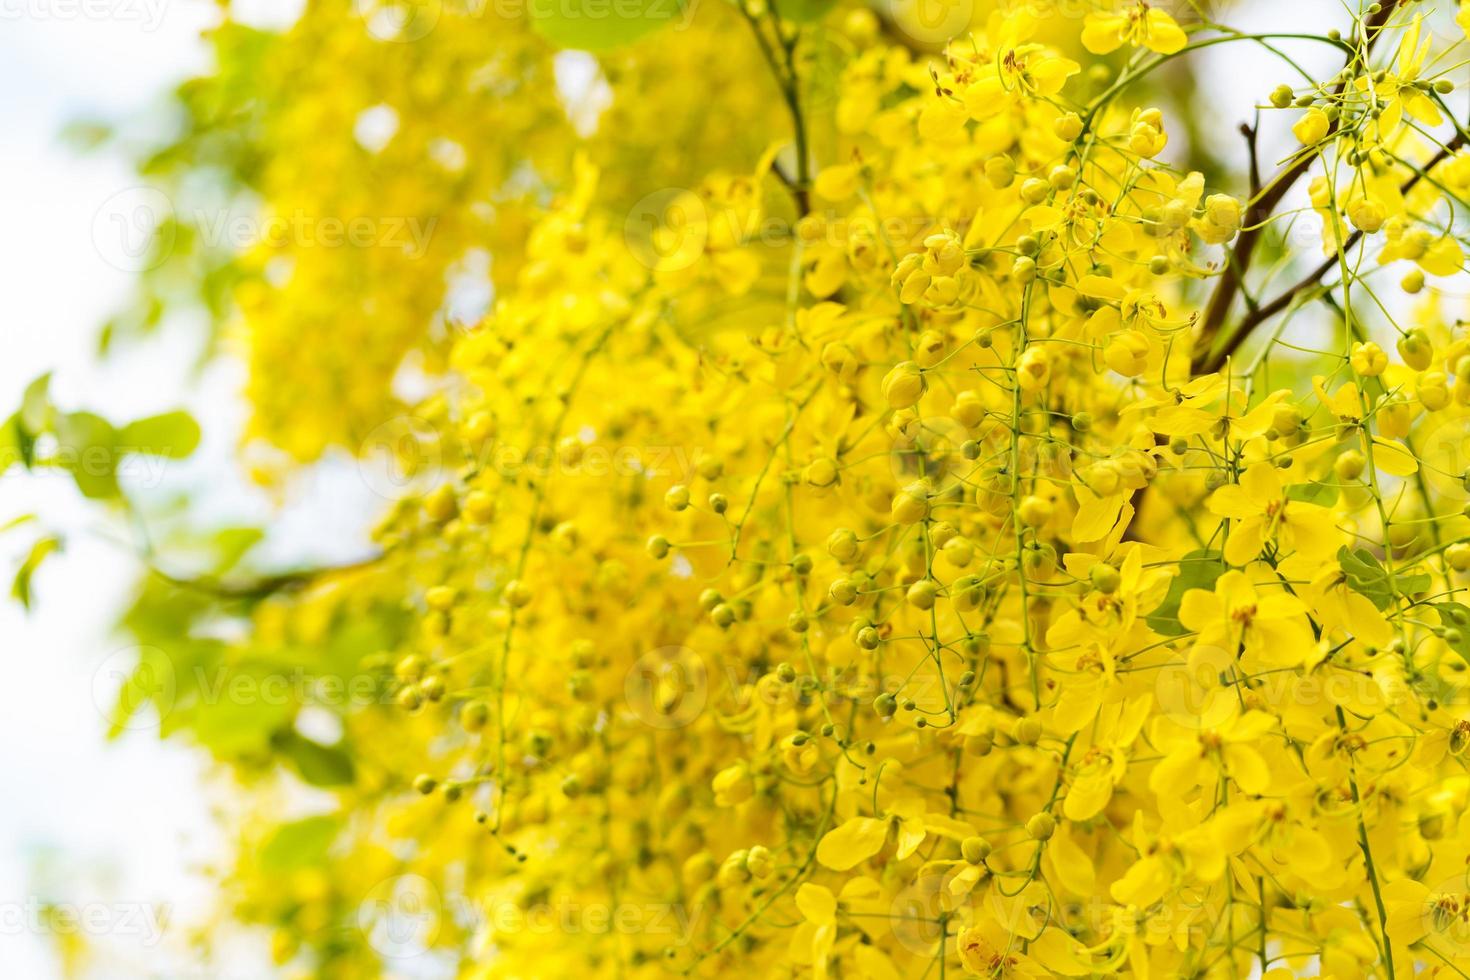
{"x":1105,"y":578}
{"x":1368,"y":359}
{"x":974,"y":849}
{"x":1026,"y":731}
{"x":911,"y":504}
{"x":903,"y":386}
{"x":842,"y":544}
{"x":1349,"y":465}
{"x":1311,"y":127}
{"x":1367,"y":216}
{"x":1067,"y":127}
{"x":1041,"y":826}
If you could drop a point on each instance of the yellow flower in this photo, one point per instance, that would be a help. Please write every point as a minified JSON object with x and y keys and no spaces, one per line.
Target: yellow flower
{"x":733,"y":785}
{"x":1198,"y":758}
{"x":987,"y":950}
{"x":818,"y":907}
{"x":859,"y":838}
{"x":1235,"y":614}
{"x":1138,"y":24}
{"x":1262,"y":512}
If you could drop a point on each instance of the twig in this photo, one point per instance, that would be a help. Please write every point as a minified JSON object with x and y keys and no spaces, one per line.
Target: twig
{"x":1212,"y":361}
{"x":1233,"y":277}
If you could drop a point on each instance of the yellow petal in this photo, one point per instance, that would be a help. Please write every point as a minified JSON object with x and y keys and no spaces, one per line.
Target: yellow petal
{"x":1164,"y":35}
{"x":1247,"y":768}
{"x":1144,"y":884}
{"x":817,"y":904}
{"x":1070,"y":865}
{"x":1103,"y":33}
{"x":1393,"y":458}
{"x":1246,"y":539}
{"x":1087,"y":797}
{"x":852,"y":843}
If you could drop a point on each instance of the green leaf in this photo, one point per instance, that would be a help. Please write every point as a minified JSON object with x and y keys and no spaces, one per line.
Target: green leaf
{"x":318,"y":764}
{"x":173,"y":435}
{"x":1197,"y":570}
{"x":805,"y":11}
{"x":1366,"y":576}
{"x":231,"y":544}
{"x":1322,"y":494}
{"x":20,"y":589}
{"x":87,"y":449}
{"x":15,"y":447}
{"x":300,"y":844}
{"x":239,"y":711}
{"x":596,"y":25}
{"x":35,"y":406}
{"x":1456,"y":618}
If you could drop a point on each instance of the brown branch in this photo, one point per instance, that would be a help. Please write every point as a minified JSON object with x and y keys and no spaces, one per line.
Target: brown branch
{"x":1233,"y":277}
{"x":1249,"y":132}
{"x":1214,"y":361}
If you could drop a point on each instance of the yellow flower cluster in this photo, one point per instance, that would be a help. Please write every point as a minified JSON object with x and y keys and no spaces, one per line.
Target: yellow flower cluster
{"x":927,"y":545}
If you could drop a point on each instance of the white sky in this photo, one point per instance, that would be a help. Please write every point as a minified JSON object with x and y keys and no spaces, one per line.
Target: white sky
{"x":107,"y":828}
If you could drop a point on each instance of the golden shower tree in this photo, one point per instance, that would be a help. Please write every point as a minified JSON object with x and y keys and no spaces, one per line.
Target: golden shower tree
{"x":926,"y":496}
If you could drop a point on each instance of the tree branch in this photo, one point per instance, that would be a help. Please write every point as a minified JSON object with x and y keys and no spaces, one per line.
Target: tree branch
{"x":1213,"y":361}
{"x":1233,"y":278}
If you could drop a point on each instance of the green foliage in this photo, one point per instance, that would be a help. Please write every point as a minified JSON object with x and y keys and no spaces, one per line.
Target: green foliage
{"x":1197,"y":570}
{"x":300,"y":844}
{"x":595,"y":25}
{"x":174,"y":435}
{"x":20,"y":588}
{"x":1366,"y":576}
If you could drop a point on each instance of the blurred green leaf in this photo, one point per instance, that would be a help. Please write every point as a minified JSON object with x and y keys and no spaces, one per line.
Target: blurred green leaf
{"x":174,"y":435}
{"x":35,"y":405}
{"x":20,"y":588}
{"x":1456,"y":618}
{"x":1322,"y":494}
{"x":87,"y":449}
{"x":595,"y":25}
{"x":319,"y":765}
{"x":238,"y":710}
{"x":805,"y":11}
{"x":231,"y":544}
{"x":299,"y":844}
{"x":15,"y":445}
